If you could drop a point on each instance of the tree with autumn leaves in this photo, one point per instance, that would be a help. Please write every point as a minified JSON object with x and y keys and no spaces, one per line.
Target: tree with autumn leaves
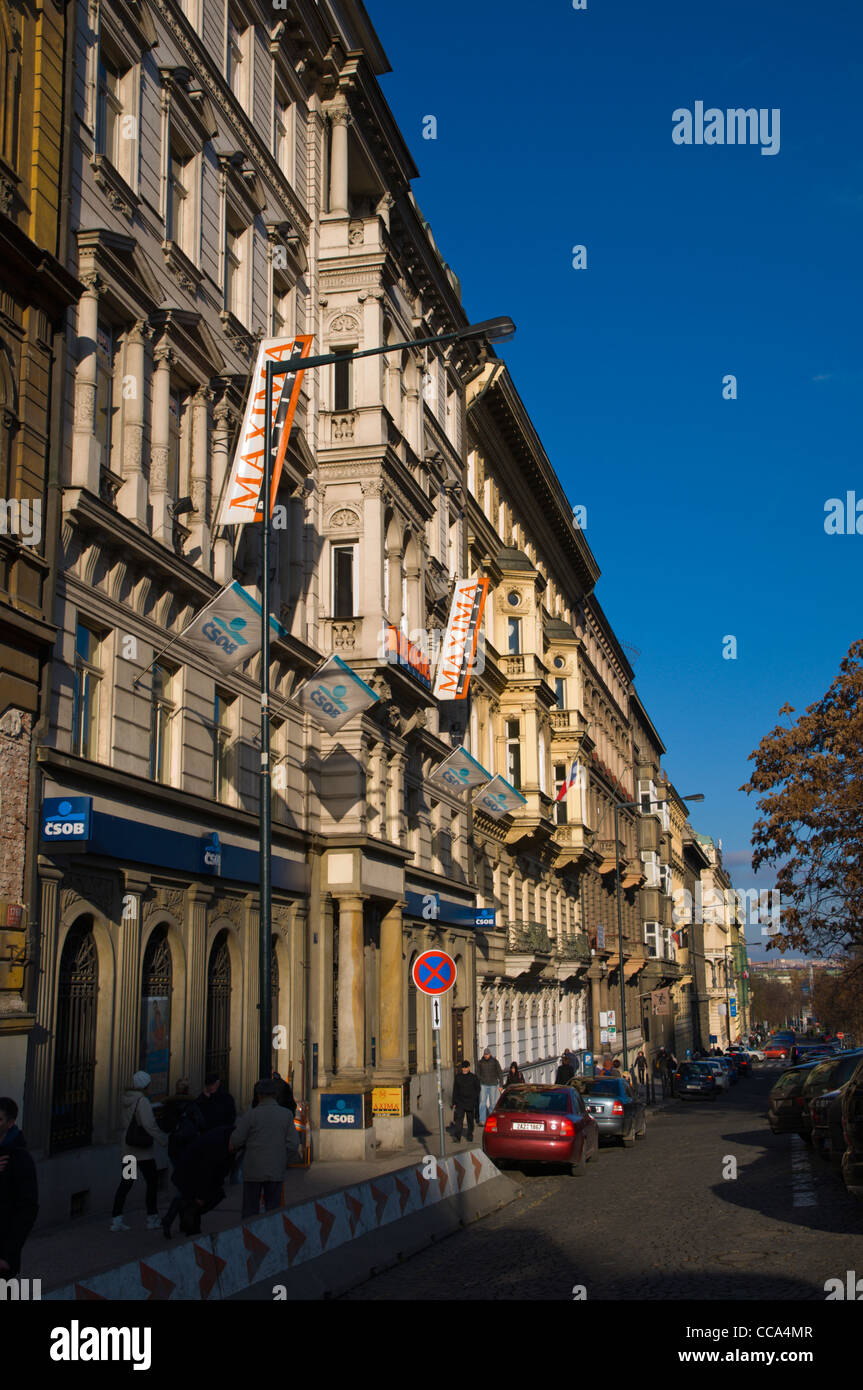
{"x":809,"y":779}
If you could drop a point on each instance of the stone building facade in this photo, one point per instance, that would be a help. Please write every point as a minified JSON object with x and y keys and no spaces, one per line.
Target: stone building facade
{"x":35,"y":291}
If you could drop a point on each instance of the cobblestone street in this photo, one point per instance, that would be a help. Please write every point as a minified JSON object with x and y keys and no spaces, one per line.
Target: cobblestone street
{"x":659,"y":1221}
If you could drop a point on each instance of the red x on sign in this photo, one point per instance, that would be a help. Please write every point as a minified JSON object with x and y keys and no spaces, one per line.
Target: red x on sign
{"x":434,"y":972}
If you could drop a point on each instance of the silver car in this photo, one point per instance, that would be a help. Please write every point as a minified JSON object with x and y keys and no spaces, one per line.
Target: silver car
{"x":723,"y":1080}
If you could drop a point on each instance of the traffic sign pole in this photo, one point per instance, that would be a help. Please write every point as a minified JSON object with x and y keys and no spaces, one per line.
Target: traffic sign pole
{"x":435,"y":1003}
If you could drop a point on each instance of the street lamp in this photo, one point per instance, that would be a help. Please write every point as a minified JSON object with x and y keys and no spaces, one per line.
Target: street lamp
{"x":492,"y":330}
{"x":627,"y":806}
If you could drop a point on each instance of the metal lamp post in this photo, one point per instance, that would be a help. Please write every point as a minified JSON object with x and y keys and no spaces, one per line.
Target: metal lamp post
{"x":493,"y":330}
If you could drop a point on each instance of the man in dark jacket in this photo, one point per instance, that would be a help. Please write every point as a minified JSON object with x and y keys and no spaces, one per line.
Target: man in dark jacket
{"x":19,"y":1191}
{"x":199,"y":1176}
{"x":490,"y":1075}
{"x":465,"y":1100}
{"x":215,"y":1104}
{"x":565,"y":1072}
{"x":180,"y":1118}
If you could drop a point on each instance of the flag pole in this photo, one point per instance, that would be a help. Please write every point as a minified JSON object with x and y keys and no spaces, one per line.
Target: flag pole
{"x":266,"y":849}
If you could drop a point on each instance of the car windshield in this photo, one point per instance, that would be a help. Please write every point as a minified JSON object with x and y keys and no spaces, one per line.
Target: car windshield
{"x":819,"y":1077}
{"x":701,"y":1067}
{"x":593,"y":1087}
{"x":547,"y":1102}
{"x":845,"y":1069}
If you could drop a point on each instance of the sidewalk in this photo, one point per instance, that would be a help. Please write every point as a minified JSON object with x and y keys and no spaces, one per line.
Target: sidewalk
{"x":79,"y":1250}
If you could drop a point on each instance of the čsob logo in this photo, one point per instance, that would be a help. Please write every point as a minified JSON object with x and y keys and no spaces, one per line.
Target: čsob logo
{"x":227,"y":635}
{"x":456,"y":777}
{"x":341,"y":1115}
{"x":332,"y":702}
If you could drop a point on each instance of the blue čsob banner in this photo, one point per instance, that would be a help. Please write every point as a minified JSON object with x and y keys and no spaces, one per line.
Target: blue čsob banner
{"x":499,"y":798}
{"x":228,"y":630}
{"x":334,"y":695}
{"x":157,"y":1023}
{"x":459,"y":772}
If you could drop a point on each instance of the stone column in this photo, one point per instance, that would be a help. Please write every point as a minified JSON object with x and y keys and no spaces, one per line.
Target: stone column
{"x":127,"y":984}
{"x":41,"y":1062}
{"x":224,"y":421}
{"x":132,"y":497}
{"x":160,"y":453}
{"x":199,"y":898}
{"x":199,"y":523}
{"x":393,"y":985}
{"x":86,"y":452}
{"x":339,"y":122}
{"x":352,"y":1033}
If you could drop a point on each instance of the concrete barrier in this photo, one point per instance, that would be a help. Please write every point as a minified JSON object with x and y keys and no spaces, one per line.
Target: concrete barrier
{"x":371,"y":1225}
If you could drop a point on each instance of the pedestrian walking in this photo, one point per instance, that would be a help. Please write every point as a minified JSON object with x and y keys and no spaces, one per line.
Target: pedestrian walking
{"x":490,"y":1075}
{"x":19,"y":1190}
{"x":215,"y":1103}
{"x":181,"y":1119}
{"x":641,"y":1067}
{"x":142,"y":1140}
{"x":565,"y":1071}
{"x":466,"y":1093}
{"x":513,"y":1077}
{"x":199,"y":1177}
{"x":268,"y":1137}
{"x":286,"y":1093}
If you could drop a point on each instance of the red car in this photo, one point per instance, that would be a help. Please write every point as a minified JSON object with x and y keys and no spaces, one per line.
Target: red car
{"x":775,"y":1050}
{"x":541,"y":1124}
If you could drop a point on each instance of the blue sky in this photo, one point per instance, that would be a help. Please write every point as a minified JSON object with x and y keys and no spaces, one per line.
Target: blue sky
{"x":706,"y":515}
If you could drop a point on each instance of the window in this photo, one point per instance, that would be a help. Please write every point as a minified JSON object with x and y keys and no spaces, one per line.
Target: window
{"x":156,"y":981}
{"x":665,"y":878}
{"x":75,"y":1040}
{"x":88,"y":674}
{"x":105,"y":408}
{"x":653,"y":938}
{"x":343,"y":382}
{"x":513,"y":636}
{"x":109,"y":109}
{"x":513,"y":752}
{"x":344,"y":581}
{"x":283,"y":312}
{"x":180,"y":210}
{"x":647,"y":797}
{"x":161,"y":710}
{"x":235,"y":270}
{"x":560,"y":777}
{"x":560,"y":692}
{"x":222,"y":703}
{"x":283,"y":133}
{"x":650,"y":860}
{"x":237,"y":66}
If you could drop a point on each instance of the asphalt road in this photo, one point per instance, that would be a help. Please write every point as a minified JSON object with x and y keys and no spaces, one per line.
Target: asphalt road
{"x":659,"y":1221}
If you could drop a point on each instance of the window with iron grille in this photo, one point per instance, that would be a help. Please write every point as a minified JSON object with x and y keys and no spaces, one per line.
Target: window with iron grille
{"x":218,"y":1036}
{"x":75,"y":1041}
{"x":156,"y":984}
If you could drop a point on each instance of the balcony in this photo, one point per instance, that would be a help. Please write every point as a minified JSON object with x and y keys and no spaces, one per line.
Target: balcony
{"x":529,"y":950}
{"x":606,"y":849}
{"x":566,"y":723}
{"x":574,"y":844}
{"x":525,"y":666}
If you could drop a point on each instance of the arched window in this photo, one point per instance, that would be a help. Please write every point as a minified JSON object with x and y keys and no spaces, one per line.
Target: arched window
{"x":156,"y":1011}
{"x":218,"y":1043}
{"x":75,"y":1040}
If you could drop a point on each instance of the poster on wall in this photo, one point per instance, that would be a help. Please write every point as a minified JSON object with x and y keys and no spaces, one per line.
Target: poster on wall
{"x":156,"y":1028}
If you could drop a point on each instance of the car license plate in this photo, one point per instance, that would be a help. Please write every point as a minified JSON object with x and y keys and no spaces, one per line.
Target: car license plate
{"x":596,"y":1109}
{"x":517,"y":1124}
{"x":693,"y":1086}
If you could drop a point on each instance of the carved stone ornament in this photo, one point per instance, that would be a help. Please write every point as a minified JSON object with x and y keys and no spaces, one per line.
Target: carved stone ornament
{"x":345,"y":519}
{"x":356,"y":234}
{"x":345,"y":323}
{"x":91,"y":890}
{"x":226,"y":907}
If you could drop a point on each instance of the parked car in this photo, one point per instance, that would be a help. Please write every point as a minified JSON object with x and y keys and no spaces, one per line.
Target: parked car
{"x":776,"y":1051}
{"x":614,"y":1105}
{"x":754,"y":1052}
{"x":852,"y":1132}
{"x":694,"y":1079}
{"x":785,"y":1104}
{"x":825,"y":1105}
{"x":810,"y":1052}
{"x":541,"y":1124}
{"x":817,"y":1082}
{"x":742,"y":1061}
{"x":723,"y":1080}
{"x":730,"y":1066}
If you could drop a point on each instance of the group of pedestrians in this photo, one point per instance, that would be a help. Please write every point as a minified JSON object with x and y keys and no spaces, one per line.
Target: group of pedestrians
{"x":205,"y":1144}
{"x":475,"y":1094}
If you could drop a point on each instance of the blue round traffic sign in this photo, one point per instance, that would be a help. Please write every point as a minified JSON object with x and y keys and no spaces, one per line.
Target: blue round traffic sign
{"x":434,"y":972}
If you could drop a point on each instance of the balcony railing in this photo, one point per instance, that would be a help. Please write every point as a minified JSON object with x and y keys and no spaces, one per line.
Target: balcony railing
{"x":531,"y":939}
{"x":574,"y":948}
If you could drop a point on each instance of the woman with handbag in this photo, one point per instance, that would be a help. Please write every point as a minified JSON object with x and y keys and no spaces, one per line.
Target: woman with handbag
{"x":141,"y":1135}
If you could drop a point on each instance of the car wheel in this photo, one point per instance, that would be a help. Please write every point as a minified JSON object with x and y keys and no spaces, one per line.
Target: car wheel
{"x":629,"y":1140}
{"x":577,"y":1168}
{"x":642,"y":1133}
